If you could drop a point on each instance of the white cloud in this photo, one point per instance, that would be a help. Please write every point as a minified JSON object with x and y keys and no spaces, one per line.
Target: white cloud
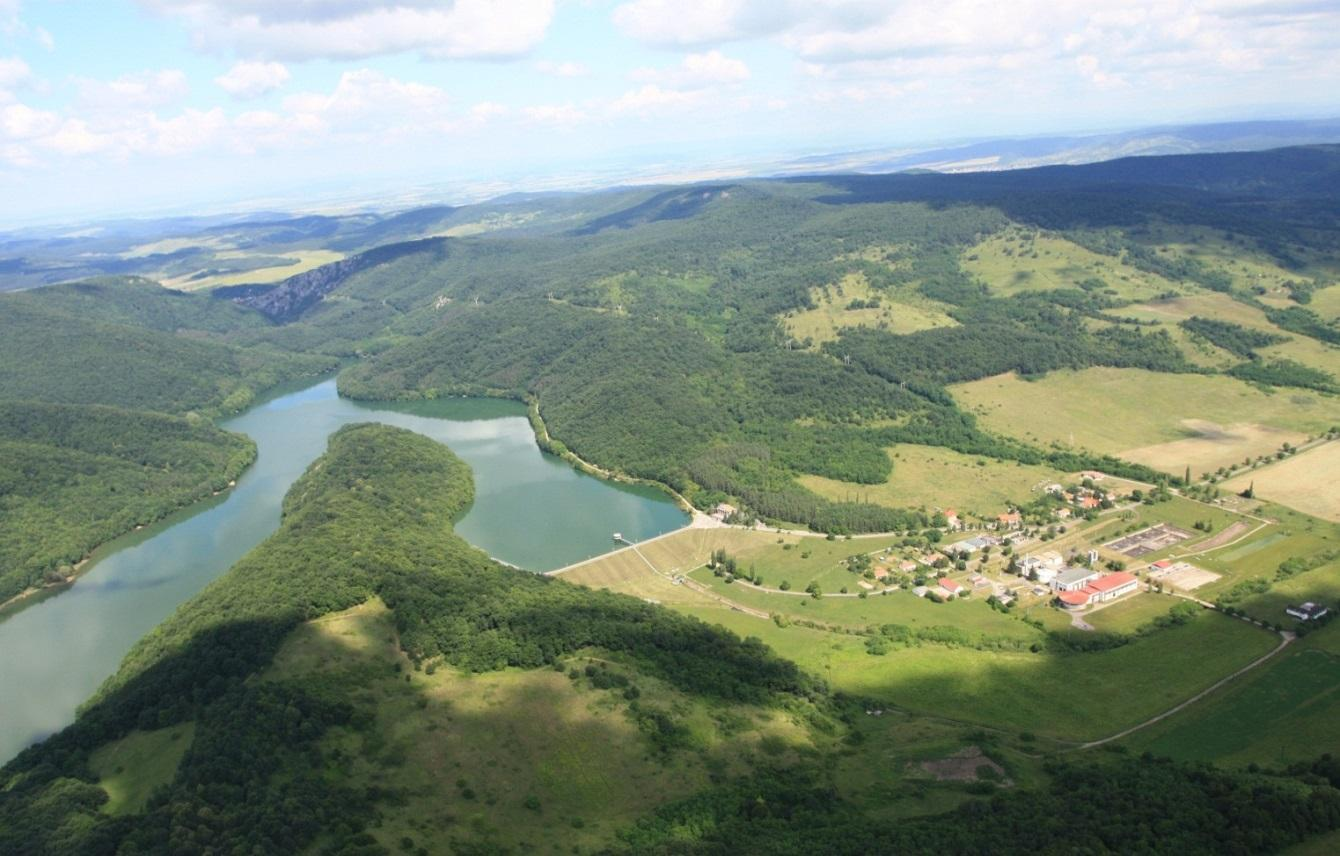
{"x":253,"y":79}
{"x":562,"y":69}
{"x":554,"y":114}
{"x":21,"y":122}
{"x":137,"y":91}
{"x":13,"y":73}
{"x":651,"y":98}
{"x":700,"y":22}
{"x":355,"y":29}
{"x":697,"y":70}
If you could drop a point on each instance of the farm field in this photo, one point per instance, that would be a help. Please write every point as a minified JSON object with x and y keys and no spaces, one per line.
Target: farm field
{"x":1071,"y":697}
{"x":1308,"y":482}
{"x":1163,"y":420}
{"x":1326,"y":302}
{"x":518,"y":758}
{"x":935,"y":477}
{"x":1020,"y":260}
{"x":896,"y":313}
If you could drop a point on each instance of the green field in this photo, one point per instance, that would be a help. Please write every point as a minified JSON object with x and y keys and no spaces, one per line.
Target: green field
{"x":1284,"y":712}
{"x":1066,"y":697}
{"x":1020,"y":260}
{"x":1305,"y":482}
{"x":938,"y":478}
{"x":1164,"y":420}
{"x":130,"y":769}
{"x":1130,"y":613}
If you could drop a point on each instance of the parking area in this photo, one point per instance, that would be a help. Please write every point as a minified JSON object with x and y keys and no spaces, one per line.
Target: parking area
{"x":1183,"y":576}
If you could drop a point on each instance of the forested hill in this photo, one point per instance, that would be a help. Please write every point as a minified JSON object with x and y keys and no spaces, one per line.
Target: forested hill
{"x":254,"y":758}
{"x":72,"y":477}
{"x":370,"y":518}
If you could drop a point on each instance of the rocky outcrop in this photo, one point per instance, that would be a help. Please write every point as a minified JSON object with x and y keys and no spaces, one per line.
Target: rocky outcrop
{"x":294,"y":296}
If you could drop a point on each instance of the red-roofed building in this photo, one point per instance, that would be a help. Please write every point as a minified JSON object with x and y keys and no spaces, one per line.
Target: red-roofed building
{"x":1109,"y":587}
{"x":1010,"y":519}
{"x":1073,"y":599}
{"x":1163,"y":564}
{"x":1089,"y":502}
{"x":950,"y":585}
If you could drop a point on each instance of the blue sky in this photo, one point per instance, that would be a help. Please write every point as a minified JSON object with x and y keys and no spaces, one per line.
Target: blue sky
{"x":140,"y":105}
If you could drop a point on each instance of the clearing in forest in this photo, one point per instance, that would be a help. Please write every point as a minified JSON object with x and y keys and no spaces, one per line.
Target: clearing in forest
{"x":853,"y":303}
{"x":1168,"y":421}
{"x":1019,"y":260}
{"x":1306,"y":482}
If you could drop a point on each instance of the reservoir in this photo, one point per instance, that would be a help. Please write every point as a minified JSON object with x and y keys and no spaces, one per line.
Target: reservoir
{"x":531,"y":509}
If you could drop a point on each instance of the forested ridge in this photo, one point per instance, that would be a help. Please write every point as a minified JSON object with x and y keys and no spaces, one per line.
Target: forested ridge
{"x":72,"y":477}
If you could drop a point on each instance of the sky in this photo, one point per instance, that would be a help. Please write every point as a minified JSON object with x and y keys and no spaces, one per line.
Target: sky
{"x":110,"y":106}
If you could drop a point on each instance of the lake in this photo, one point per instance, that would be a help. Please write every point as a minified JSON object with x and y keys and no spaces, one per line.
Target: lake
{"x":531,"y":509}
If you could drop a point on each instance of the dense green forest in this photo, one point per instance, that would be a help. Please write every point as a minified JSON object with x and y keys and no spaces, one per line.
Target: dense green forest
{"x":72,"y":477}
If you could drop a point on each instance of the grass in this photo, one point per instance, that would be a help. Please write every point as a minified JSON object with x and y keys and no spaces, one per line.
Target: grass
{"x":905,"y":312}
{"x":1305,"y":482}
{"x":933,"y":477}
{"x":1284,"y":712}
{"x":520,"y":759}
{"x":1131,"y":613}
{"x":1070,"y":697}
{"x":303,"y":261}
{"x":1168,"y":421}
{"x":1020,"y":260}
{"x":130,"y":769}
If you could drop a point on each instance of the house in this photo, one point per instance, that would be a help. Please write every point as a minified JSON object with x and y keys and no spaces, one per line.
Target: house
{"x":971,"y":545}
{"x":1054,"y":488}
{"x":907,"y":566}
{"x":1307,"y":612}
{"x":1074,"y":579}
{"x":951,"y":519}
{"x":978,"y":581}
{"x":723,"y":511}
{"x":1030,"y":564}
{"x":1089,"y":502}
{"x":1052,"y":559}
{"x":1092,"y":475}
{"x":920,"y":591}
{"x":1062,"y":513}
{"x":950,"y":586}
{"x":1010,"y":520}
{"x":880,"y":572}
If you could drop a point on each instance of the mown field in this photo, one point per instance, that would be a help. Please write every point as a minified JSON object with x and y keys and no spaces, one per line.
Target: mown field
{"x":1167,"y":421}
{"x":939,"y":478}
{"x":1308,"y":482}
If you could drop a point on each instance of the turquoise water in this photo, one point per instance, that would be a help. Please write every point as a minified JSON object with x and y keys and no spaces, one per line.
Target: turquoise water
{"x":531,"y":510}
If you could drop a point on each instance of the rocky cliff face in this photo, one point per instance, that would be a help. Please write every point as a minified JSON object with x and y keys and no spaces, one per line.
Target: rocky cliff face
{"x":295,"y":295}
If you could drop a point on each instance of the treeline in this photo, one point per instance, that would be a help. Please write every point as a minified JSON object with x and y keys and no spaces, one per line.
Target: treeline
{"x":1124,"y":806}
{"x":74,"y":477}
{"x":1283,"y":373}
{"x":1233,"y":338}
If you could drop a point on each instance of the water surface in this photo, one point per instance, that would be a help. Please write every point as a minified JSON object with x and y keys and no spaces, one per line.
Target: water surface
{"x":531,"y":510}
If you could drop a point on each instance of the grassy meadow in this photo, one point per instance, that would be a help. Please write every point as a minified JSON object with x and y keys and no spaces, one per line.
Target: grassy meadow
{"x":935,"y":477}
{"x":1020,"y":260}
{"x":904,"y":312}
{"x":1306,"y":482}
{"x":1166,"y":421}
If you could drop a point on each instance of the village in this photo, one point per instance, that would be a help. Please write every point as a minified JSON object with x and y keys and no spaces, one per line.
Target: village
{"x":1055,"y":551}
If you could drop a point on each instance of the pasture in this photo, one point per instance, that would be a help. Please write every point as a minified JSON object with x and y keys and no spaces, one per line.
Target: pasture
{"x":937,"y":478}
{"x":1306,"y":482}
{"x":1166,"y":421}
{"x":904,"y":312}
{"x":1072,"y":697}
{"x":302,"y":261}
{"x":1284,"y":712}
{"x":1020,"y":259}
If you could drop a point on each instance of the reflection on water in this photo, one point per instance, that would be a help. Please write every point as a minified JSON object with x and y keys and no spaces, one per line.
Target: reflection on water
{"x":531,"y":510}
